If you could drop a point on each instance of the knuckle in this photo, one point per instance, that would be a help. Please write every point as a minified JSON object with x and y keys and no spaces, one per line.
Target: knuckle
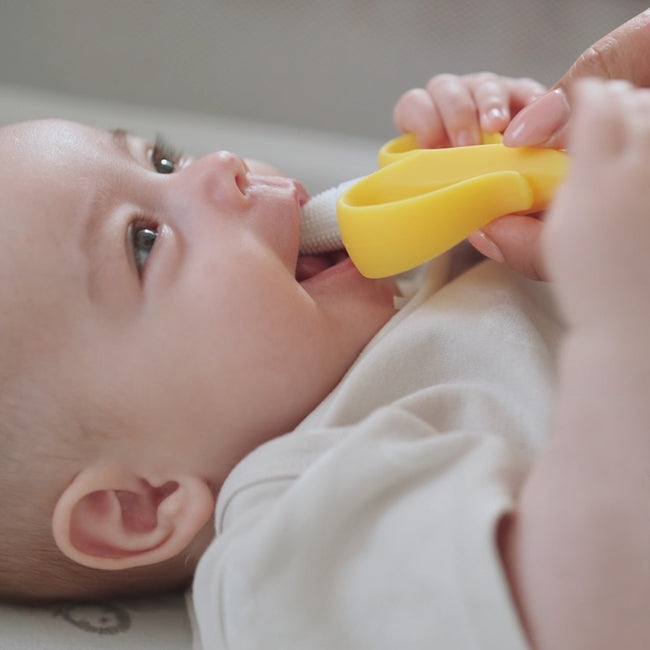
{"x":597,"y":61}
{"x":410,"y":100}
{"x":487,"y":77}
{"x":442,"y":80}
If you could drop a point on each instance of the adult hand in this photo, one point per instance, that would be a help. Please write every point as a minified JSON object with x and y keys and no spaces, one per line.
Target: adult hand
{"x":622,"y":54}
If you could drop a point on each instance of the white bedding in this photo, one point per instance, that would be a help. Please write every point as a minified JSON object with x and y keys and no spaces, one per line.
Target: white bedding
{"x":319,"y":160}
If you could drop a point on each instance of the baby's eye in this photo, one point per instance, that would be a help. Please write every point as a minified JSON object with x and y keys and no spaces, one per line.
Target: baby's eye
{"x":164,"y":157}
{"x":142,"y":237}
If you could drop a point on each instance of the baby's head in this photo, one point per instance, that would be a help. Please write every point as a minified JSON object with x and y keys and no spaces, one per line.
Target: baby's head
{"x":153,"y":331}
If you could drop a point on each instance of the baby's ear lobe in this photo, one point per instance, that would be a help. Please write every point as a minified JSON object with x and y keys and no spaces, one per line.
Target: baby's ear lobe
{"x":108,"y":518}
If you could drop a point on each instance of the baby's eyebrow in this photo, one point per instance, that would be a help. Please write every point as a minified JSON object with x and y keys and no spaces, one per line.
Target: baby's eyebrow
{"x":119,"y":138}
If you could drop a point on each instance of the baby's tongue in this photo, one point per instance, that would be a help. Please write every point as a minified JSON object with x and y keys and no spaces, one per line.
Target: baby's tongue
{"x":310,"y":265}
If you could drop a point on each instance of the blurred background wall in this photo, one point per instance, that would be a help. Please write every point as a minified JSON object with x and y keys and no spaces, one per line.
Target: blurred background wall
{"x":335,"y":65}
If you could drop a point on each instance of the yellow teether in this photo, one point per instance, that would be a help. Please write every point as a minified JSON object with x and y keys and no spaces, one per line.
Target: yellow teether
{"x":422,"y":202}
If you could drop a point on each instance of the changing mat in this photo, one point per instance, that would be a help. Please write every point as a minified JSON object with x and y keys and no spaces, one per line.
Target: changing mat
{"x":148,"y":624}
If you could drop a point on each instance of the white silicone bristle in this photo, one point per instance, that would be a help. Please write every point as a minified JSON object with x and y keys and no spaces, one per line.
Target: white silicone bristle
{"x":319,"y":231}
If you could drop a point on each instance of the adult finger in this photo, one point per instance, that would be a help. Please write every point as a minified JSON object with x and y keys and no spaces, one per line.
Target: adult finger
{"x":624,"y":53}
{"x":514,"y":240}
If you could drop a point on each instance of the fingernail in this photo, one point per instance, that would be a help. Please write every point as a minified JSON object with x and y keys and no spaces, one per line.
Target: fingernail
{"x":495,"y":116}
{"x":486,"y":246}
{"x":539,"y":121}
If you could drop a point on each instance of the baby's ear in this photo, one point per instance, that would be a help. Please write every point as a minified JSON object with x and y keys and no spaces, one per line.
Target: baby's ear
{"x":109,"y":518}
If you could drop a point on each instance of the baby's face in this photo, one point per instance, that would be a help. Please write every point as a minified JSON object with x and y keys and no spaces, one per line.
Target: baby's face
{"x":160,"y":296}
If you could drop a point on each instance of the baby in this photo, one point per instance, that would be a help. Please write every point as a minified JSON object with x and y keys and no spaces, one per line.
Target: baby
{"x":378,"y":477}
{"x":154,"y":333}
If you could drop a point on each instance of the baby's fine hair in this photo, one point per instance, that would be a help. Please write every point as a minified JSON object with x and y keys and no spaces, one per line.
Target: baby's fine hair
{"x":34,"y":469}
{"x":31,"y":567}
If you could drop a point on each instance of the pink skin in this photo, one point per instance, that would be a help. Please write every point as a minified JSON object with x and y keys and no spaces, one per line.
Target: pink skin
{"x":582,"y":581}
{"x":215,"y":347}
{"x":543,"y":123}
{"x":452,"y":110}
{"x":621,"y":54}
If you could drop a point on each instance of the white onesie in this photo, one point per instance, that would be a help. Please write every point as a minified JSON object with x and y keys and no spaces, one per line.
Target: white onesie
{"x":373,"y":524}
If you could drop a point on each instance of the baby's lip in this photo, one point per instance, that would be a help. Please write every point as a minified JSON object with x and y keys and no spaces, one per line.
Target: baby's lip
{"x":303,"y":194}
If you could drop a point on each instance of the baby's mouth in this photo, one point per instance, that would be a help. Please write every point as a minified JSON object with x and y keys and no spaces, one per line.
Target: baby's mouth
{"x":310,"y":265}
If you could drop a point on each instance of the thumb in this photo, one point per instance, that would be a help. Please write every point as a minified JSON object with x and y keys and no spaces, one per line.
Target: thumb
{"x":514,"y":240}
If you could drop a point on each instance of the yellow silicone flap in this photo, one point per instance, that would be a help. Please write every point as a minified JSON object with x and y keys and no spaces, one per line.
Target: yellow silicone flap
{"x":424,"y":201}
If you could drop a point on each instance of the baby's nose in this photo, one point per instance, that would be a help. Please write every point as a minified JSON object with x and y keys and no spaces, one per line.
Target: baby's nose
{"x":222,"y":177}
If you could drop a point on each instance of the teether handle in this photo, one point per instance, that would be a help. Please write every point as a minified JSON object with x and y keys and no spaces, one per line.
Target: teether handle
{"x":380,"y":247}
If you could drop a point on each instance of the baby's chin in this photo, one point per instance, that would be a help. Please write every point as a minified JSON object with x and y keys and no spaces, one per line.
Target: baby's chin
{"x":333,"y":281}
